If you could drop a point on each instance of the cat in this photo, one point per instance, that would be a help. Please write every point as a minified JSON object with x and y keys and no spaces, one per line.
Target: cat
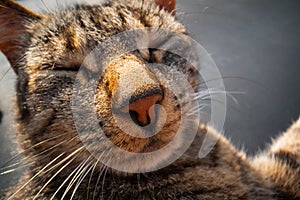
{"x":47,"y":51}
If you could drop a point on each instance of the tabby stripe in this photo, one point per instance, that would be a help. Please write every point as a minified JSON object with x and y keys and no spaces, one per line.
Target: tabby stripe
{"x":287,"y":158}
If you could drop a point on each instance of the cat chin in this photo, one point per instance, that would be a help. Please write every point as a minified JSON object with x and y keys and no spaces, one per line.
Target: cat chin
{"x":123,"y":162}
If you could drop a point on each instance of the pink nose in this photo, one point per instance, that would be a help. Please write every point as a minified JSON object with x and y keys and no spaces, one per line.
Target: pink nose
{"x":140,"y":109}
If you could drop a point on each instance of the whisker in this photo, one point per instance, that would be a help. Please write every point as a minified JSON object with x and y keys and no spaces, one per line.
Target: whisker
{"x":221,"y":102}
{"x":99,"y":176}
{"x":63,"y":183}
{"x":234,"y":77}
{"x":37,"y":174}
{"x":196,"y":109}
{"x":98,"y":180}
{"x":5,"y":73}
{"x":90,"y":179}
{"x":24,"y":151}
{"x":103,"y":182}
{"x":17,"y":168}
{"x":202,"y":95}
{"x":45,"y":6}
{"x":31,"y":158}
{"x":75,"y":177}
{"x":213,"y":92}
{"x":58,"y":164}
{"x":82,"y":176}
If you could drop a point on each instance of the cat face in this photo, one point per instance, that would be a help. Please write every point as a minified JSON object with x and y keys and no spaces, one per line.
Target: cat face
{"x":130,"y":94}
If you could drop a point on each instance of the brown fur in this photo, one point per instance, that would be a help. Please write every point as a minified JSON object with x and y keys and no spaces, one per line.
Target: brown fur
{"x":50,"y":49}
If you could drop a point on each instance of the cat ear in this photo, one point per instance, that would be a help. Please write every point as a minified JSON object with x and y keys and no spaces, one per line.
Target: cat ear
{"x":13,"y":35}
{"x":168,"y":5}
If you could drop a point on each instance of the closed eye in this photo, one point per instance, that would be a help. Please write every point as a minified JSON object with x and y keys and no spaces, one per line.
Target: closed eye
{"x":68,"y":68}
{"x":60,"y":67}
{"x":152,"y":55}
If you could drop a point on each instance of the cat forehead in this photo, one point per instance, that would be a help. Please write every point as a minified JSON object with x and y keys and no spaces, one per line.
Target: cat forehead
{"x":67,"y":35}
{"x":114,"y":15}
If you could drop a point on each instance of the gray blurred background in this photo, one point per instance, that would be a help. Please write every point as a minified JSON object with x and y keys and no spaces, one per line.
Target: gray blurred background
{"x":255,"y":44}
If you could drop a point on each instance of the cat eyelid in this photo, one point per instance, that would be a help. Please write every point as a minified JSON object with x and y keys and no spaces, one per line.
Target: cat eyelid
{"x":60,"y":67}
{"x":152,"y":55}
{"x":156,"y":51}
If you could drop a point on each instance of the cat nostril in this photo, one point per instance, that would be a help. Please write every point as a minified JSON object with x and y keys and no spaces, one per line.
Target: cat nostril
{"x":135,"y":118}
{"x":141,"y":109}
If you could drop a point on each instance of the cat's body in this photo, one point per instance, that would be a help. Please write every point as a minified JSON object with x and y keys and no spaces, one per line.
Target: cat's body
{"x":47,"y":50}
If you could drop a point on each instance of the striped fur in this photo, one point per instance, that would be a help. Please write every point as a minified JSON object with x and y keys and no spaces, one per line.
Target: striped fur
{"x":48,"y":53}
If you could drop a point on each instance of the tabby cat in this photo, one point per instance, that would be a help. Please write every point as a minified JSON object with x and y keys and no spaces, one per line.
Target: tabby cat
{"x":47,"y":51}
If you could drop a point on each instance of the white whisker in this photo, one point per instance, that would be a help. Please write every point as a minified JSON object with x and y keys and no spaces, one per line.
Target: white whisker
{"x":99,"y":176}
{"x":75,"y":177}
{"x":40,"y":143}
{"x":64,"y":182}
{"x":90,"y":179}
{"x":37,"y":174}
{"x":58,"y":164}
{"x":84,"y":173}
